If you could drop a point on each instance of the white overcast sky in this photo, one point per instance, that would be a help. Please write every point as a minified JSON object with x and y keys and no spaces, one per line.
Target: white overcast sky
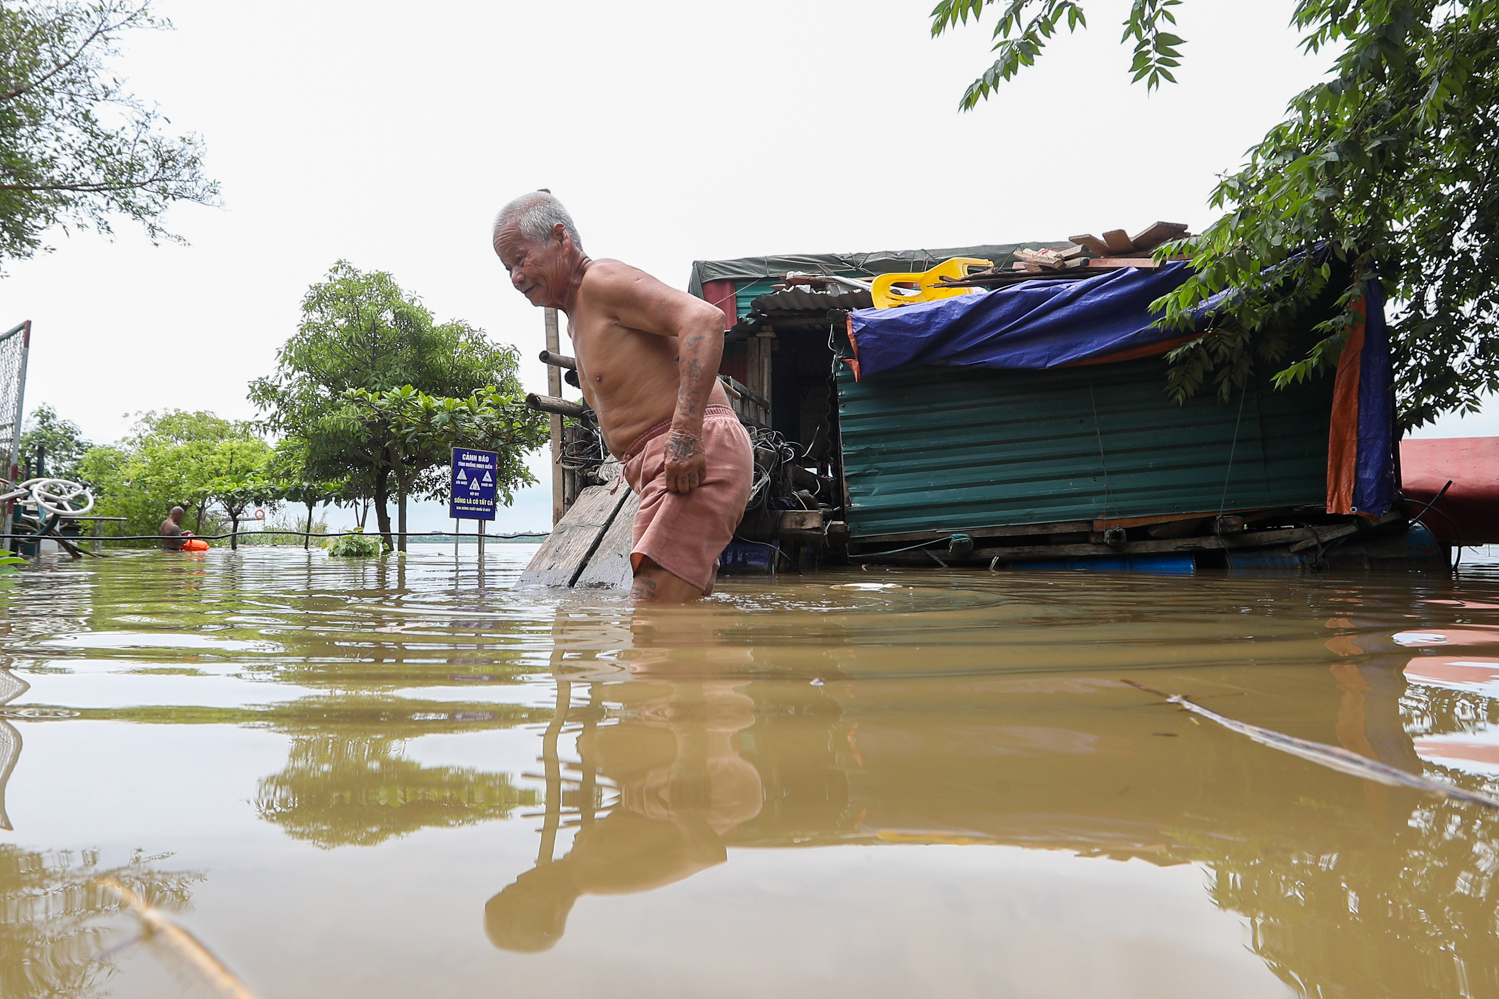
{"x":390,"y":133}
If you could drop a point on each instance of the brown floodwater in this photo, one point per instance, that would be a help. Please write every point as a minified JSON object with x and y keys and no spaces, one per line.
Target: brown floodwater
{"x":409,"y":778}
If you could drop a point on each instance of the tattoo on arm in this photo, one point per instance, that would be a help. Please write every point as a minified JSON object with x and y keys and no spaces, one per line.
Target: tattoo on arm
{"x":680,"y":445}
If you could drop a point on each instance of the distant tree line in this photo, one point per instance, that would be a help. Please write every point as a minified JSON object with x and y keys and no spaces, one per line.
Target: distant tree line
{"x":368,"y":398}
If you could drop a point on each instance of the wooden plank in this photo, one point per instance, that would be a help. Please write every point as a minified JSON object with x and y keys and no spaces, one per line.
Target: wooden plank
{"x":1322,"y":535}
{"x":609,"y":567}
{"x":799,"y":520}
{"x":1092,"y":242}
{"x":1106,"y":263}
{"x":1104,"y":525}
{"x":1022,"y":553}
{"x":1118,"y":242}
{"x":1158,"y":233}
{"x":567,"y":549}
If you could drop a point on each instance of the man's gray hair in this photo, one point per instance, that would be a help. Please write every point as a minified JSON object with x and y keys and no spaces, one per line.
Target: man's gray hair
{"x":534,"y":215}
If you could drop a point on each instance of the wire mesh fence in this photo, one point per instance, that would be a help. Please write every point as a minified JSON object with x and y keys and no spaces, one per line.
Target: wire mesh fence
{"x":13,"y":344}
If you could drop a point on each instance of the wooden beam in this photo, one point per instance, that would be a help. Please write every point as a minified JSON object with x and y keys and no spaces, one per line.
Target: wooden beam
{"x":557,"y":407}
{"x":1104,"y":525}
{"x":554,"y":388}
{"x":1092,"y":242}
{"x":1118,"y":242}
{"x":1114,"y":262}
{"x":1295,"y":537}
{"x":1157,"y":234}
{"x":1021,"y":530}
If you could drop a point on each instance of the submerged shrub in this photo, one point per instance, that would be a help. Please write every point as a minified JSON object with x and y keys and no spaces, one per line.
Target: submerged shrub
{"x":355,"y":546}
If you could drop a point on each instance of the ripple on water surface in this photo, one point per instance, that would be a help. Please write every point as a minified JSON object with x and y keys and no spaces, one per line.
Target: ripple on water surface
{"x":405,"y":776}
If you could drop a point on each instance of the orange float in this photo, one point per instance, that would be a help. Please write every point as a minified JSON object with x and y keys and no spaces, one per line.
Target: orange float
{"x":195,"y":545}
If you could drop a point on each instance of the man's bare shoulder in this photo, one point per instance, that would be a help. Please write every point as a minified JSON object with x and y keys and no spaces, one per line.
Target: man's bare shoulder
{"x":606,"y":279}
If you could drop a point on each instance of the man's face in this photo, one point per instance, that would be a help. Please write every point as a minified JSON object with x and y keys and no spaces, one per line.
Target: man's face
{"x":534,"y":267}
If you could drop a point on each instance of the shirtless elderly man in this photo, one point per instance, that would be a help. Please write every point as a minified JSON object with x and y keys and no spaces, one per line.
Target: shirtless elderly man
{"x":648,"y":360}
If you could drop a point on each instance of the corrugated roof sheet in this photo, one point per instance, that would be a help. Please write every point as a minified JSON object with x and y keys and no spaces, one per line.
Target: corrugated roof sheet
{"x":753,"y":269}
{"x":803,"y":300}
{"x":945,"y":449}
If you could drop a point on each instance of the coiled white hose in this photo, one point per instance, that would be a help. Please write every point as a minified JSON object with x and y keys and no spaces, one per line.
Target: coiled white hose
{"x":52,"y":495}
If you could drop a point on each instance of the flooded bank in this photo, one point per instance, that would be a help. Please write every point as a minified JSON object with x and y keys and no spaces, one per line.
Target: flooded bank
{"x":394,"y":779}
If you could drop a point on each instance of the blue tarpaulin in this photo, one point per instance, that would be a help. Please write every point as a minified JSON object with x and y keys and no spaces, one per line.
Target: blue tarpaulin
{"x":1034,"y":324}
{"x":1050,"y":323}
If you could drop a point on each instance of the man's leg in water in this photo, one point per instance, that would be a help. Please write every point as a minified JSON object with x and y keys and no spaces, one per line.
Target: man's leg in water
{"x":654,"y":584}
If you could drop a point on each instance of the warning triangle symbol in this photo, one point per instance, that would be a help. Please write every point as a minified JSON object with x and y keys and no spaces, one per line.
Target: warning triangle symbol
{"x":487,"y":479}
{"x":462,"y":476}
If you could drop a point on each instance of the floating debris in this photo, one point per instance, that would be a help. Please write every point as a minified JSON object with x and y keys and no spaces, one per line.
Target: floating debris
{"x":183,"y":943}
{"x":1328,"y":756}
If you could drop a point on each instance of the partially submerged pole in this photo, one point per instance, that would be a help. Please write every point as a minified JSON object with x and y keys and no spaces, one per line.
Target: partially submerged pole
{"x":554,"y":388}
{"x":187,"y":947}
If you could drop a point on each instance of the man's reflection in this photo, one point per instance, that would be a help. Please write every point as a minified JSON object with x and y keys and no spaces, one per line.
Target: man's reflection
{"x":684,"y":791}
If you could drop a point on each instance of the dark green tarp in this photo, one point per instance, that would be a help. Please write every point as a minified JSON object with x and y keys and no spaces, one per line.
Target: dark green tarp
{"x":847,"y":264}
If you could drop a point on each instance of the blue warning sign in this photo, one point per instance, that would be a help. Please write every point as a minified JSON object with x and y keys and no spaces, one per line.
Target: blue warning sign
{"x":473,"y":488}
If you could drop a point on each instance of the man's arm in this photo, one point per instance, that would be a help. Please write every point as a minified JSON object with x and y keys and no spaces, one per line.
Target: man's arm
{"x":641,"y":302}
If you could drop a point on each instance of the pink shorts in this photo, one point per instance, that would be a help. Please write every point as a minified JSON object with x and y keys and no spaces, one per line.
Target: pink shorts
{"x":684,"y":533}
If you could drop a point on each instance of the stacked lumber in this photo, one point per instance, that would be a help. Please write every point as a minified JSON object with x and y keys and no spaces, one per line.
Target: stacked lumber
{"x":1061,"y":258}
{"x":1114,"y":251}
{"x":1116,"y":244}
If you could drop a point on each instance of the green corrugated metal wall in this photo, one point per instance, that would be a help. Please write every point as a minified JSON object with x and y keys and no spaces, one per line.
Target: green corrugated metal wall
{"x":746,"y":292}
{"x":950,"y":449}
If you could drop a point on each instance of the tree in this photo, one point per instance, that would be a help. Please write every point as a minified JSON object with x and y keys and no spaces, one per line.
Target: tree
{"x":75,"y":147}
{"x":61,"y":440}
{"x":294,"y":482}
{"x":412,"y":435}
{"x":239,"y":481}
{"x":361,"y":331}
{"x":1388,"y":168}
{"x":167,"y":460}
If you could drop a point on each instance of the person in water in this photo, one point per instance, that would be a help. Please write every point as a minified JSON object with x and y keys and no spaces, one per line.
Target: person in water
{"x":648,"y":359}
{"x":172,"y":532}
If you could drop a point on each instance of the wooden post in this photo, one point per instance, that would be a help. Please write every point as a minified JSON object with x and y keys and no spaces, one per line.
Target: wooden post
{"x":757,"y":377}
{"x":554,"y":388}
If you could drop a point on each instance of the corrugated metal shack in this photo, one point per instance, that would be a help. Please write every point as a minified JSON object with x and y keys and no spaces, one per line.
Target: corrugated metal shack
{"x":956,"y":463}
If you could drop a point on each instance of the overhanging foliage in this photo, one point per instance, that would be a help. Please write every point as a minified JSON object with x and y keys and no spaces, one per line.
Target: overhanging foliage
{"x":1388,"y":167}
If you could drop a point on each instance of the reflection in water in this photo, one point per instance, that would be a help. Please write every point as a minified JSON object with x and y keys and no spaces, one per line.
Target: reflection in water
{"x":682,"y":789}
{"x":1349,"y":886}
{"x":11,"y":687}
{"x":341,"y":789}
{"x":55,"y":918}
{"x":872,"y":710}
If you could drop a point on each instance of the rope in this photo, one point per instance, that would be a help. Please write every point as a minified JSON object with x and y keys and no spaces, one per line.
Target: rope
{"x":950,"y":539}
{"x":1108,"y":495}
{"x":256,"y":534}
{"x":1232,"y":447}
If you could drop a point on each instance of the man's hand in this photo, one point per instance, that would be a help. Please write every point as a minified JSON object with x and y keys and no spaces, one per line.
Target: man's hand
{"x":686,"y":462}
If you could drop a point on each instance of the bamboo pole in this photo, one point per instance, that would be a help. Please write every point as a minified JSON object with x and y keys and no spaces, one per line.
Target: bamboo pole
{"x":554,"y":388}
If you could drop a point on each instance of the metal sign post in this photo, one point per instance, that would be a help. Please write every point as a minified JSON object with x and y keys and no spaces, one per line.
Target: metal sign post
{"x":472,"y":491}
